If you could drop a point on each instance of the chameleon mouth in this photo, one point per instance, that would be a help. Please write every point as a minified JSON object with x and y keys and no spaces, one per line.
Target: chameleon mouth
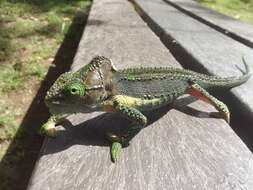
{"x":57,"y":103}
{"x":58,"y":107}
{"x":61,"y":100}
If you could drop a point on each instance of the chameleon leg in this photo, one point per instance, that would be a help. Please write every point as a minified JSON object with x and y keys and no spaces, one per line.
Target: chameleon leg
{"x":49,"y":127}
{"x":200,"y":93}
{"x":139,"y":121}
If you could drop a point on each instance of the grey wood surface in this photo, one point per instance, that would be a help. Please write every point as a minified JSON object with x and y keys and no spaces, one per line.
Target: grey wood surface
{"x":203,"y":47}
{"x":181,"y":148}
{"x":238,"y":29}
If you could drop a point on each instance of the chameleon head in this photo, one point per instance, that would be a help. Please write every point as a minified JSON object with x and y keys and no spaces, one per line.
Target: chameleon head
{"x":80,"y":91}
{"x":66,"y":95}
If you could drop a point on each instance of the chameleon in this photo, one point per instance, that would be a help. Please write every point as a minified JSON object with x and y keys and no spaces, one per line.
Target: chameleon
{"x":99,"y":86}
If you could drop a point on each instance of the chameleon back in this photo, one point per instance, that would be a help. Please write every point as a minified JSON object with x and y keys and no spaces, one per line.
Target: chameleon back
{"x":150,"y":84}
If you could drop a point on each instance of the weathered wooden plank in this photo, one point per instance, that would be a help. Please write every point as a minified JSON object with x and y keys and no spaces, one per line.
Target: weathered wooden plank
{"x":202,"y":46}
{"x":232,"y":27}
{"x":178,"y":150}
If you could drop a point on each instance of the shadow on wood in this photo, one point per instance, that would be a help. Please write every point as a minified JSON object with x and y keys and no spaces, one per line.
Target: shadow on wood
{"x":92,"y":132}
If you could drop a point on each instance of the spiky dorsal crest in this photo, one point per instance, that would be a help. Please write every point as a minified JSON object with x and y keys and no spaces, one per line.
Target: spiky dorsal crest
{"x":96,"y":64}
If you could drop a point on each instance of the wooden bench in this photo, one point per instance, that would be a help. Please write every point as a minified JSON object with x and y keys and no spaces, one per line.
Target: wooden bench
{"x":199,"y":47}
{"x":234,"y":28}
{"x":181,"y":148}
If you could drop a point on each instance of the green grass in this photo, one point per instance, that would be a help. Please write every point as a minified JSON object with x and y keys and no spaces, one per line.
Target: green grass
{"x":10,"y":79}
{"x":31,"y":31}
{"x":25,"y":25}
{"x":5,"y":48}
{"x":30,"y":34}
{"x":239,"y":9}
{"x":16,"y":76}
{"x":8,"y":127}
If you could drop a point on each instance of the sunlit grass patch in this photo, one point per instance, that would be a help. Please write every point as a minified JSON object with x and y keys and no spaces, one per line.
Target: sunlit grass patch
{"x":32,"y":37}
{"x":239,"y":9}
{"x":10,"y":79}
{"x":5,"y":48}
{"x":16,"y":76}
{"x":53,"y":24}
{"x":8,"y":127}
{"x":14,"y":8}
{"x":21,"y":29}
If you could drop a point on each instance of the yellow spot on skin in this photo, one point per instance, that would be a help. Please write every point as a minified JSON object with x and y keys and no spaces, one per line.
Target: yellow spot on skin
{"x":134,"y":102}
{"x":137,"y":103}
{"x":127,"y":100}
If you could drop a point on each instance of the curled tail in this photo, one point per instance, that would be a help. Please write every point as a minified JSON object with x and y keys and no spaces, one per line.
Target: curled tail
{"x":227,"y":82}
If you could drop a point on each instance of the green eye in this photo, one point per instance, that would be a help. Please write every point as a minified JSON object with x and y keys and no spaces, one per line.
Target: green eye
{"x":76,"y":89}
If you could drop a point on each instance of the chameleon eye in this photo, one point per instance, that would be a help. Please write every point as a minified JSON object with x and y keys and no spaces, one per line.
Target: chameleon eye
{"x":73,"y":90}
{"x":76,"y":89}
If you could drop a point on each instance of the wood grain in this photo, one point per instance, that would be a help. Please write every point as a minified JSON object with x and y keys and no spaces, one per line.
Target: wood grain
{"x":202,"y":48}
{"x":181,"y":148}
{"x":232,"y":27}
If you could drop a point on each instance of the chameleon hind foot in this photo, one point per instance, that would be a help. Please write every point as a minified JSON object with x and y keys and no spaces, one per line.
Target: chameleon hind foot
{"x":201,"y":94}
{"x":223,"y":115}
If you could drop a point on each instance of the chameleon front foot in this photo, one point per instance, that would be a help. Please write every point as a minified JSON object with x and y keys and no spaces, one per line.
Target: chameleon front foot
{"x":49,"y":129}
{"x":200,"y":93}
{"x":117,"y":143}
{"x":115,"y":151}
{"x":115,"y":146}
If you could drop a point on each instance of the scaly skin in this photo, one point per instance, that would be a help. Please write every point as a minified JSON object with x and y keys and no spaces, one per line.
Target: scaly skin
{"x":98,"y":86}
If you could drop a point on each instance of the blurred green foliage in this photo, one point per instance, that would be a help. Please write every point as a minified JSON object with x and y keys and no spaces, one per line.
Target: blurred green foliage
{"x":239,"y":9}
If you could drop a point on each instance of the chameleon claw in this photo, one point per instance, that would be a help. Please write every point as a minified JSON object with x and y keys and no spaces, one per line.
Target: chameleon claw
{"x":115,"y":151}
{"x":227,"y":117}
{"x":112,"y":137}
{"x":223,"y":115}
{"x":48,"y":129}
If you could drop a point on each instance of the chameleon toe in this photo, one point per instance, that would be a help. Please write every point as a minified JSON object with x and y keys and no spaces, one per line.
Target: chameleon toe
{"x":48,"y":129}
{"x":223,"y":115}
{"x":112,"y":137}
{"x":115,"y":151}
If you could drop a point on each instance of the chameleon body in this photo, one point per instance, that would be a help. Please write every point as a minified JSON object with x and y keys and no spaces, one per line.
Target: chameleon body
{"x":98,"y":86}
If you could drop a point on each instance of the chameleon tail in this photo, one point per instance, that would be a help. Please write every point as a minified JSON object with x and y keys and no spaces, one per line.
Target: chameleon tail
{"x":228,"y":82}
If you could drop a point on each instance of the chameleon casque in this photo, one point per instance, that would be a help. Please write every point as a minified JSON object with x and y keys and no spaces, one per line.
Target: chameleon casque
{"x":98,"y":86}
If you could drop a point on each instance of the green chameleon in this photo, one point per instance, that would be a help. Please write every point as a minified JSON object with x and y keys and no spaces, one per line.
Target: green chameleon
{"x":98,"y":86}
